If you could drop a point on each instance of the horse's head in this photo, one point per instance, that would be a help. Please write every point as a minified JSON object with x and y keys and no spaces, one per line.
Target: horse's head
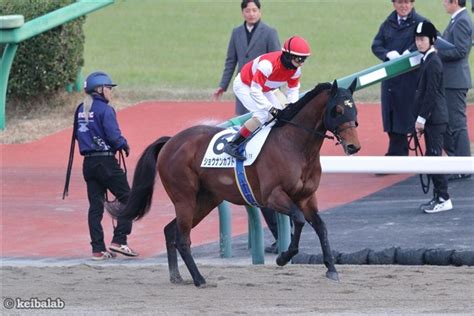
{"x":340,"y":117}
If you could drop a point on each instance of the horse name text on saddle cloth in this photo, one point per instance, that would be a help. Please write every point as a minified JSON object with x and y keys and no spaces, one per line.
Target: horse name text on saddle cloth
{"x":216,"y":158}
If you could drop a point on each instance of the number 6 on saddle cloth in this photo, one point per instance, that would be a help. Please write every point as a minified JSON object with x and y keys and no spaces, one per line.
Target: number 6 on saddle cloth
{"x":215,"y":157}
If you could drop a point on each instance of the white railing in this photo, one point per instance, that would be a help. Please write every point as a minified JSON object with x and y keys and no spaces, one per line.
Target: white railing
{"x":392,"y":164}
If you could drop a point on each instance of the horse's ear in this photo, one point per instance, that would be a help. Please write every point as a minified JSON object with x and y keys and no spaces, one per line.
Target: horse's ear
{"x":334,"y":88}
{"x":353,"y":85}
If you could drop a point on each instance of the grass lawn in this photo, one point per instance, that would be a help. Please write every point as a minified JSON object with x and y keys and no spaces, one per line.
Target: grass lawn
{"x":175,"y":49}
{"x":167,"y":46}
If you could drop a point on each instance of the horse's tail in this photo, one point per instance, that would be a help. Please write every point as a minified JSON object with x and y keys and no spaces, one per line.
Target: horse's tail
{"x":141,"y":193}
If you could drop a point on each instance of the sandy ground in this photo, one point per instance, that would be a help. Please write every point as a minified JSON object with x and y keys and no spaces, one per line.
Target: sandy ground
{"x":255,"y":289}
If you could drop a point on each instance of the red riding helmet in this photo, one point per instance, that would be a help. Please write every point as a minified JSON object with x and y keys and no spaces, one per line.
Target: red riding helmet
{"x":297,"y":45}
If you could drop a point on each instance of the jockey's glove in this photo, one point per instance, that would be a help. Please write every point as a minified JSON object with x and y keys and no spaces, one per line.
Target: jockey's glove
{"x":275,"y":112}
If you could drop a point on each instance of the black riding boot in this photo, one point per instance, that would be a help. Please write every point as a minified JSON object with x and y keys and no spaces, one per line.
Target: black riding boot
{"x":232,"y":147}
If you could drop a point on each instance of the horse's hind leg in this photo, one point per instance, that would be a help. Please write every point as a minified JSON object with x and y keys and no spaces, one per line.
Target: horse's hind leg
{"x":185,"y":252}
{"x":170,"y":236}
{"x":296,"y":215}
{"x":183,"y":242}
{"x":206,"y":202}
{"x":320,"y":228}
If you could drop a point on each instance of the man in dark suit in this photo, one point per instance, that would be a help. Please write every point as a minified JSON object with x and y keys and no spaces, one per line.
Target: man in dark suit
{"x":248,"y":41}
{"x":395,"y":38}
{"x":457,"y":79}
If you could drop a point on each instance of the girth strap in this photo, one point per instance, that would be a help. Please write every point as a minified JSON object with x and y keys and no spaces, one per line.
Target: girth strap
{"x":243,"y":184}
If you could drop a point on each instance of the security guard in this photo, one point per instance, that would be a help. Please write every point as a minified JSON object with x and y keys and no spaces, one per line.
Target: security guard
{"x":99,"y":138}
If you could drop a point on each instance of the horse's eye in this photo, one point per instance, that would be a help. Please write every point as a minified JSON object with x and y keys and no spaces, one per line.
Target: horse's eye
{"x":340,"y":109}
{"x":337,"y":110}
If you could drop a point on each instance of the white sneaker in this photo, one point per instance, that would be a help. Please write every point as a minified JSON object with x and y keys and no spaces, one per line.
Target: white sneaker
{"x":429,"y":204}
{"x":103,"y":255}
{"x":440,"y":206}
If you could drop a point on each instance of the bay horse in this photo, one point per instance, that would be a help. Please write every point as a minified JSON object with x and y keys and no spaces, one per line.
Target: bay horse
{"x":284,"y":177}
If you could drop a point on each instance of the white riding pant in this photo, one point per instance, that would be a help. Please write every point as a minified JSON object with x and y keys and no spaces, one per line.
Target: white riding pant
{"x":259,"y":111}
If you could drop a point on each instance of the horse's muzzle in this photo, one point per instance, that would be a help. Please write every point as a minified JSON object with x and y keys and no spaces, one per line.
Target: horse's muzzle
{"x":351,"y":149}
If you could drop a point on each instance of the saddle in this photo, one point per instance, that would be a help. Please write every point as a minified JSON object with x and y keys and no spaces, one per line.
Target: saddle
{"x":215,"y":157}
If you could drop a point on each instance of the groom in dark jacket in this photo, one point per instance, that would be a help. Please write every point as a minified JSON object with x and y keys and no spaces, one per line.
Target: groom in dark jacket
{"x":431,"y":111}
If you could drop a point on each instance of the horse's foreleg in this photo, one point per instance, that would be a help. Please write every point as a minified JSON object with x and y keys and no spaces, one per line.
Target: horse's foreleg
{"x":320,"y":228}
{"x":298,"y":220}
{"x":170,"y":237}
{"x":184,"y":247}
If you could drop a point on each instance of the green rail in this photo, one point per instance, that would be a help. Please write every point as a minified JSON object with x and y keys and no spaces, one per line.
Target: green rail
{"x":365,"y":78}
{"x":13,"y":35}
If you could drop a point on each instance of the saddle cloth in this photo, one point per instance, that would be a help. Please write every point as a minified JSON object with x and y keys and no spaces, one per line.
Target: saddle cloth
{"x":216,"y":158}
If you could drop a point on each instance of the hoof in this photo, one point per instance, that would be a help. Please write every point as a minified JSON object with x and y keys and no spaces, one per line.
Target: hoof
{"x":206,"y":285}
{"x":332,"y":276}
{"x":281,"y":261}
{"x":175,"y":277}
{"x":180,"y":281}
{"x":176,"y":280}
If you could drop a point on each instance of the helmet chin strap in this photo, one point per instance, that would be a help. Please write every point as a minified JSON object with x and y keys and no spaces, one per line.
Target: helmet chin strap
{"x":286,"y":61}
{"x":101,"y":93}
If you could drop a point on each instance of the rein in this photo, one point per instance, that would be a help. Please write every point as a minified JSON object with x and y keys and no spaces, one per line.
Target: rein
{"x":352,"y":124}
{"x":337,"y":131}
{"x":312,"y":132}
{"x":315,"y":133}
{"x":425,"y":186}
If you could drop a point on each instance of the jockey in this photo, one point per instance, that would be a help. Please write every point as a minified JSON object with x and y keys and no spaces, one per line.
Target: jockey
{"x":256,"y":82}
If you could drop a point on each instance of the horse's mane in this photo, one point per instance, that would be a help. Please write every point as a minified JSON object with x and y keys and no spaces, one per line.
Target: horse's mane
{"x":293,"y":108}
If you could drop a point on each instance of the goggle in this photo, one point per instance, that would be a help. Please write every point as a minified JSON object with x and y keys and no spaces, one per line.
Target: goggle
{"x":299,"y":59}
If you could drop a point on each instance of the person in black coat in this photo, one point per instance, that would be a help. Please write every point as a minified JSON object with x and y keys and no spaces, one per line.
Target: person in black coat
{"x":432,"y":112}
{"x":395,"y":38}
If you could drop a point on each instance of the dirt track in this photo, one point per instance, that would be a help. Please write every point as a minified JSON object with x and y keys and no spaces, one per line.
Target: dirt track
{"x":267,"y":289}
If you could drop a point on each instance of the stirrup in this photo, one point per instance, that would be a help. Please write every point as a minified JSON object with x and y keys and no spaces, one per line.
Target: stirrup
{"x":233,"y":150}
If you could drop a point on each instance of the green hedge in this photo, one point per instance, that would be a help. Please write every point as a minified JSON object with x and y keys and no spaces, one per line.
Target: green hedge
{"x":49,"y":61}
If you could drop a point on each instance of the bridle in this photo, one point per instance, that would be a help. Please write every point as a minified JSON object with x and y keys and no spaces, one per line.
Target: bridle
{"x":337,"y":131}
{"x":313,"y":132}
{"x":317,"y":134}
